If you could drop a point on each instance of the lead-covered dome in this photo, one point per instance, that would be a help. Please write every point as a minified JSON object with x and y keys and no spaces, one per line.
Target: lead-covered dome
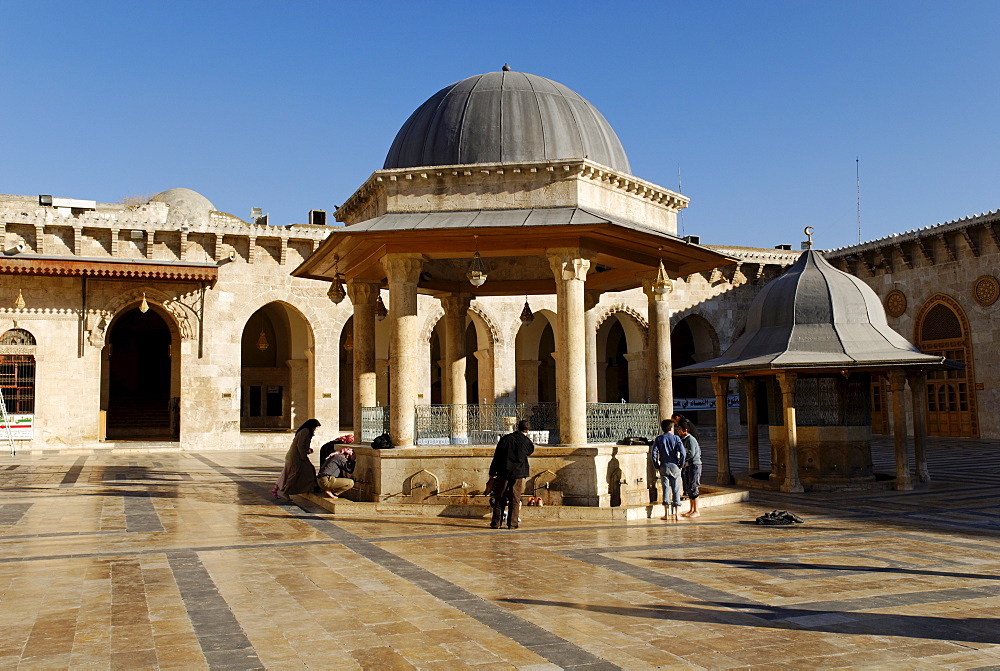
{"x":505,"y":117}
{"x":814,"y":315}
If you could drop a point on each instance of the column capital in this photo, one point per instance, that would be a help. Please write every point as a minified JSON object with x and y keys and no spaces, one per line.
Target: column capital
{"x":456,"y":305}
{"x":787,"y":381}
{"x":916,"y":378}
{"x":403,"y":267}
{"x":749,"y":383}
{"x":569,"y":263}
{"x":590,"y":299}
{"x":720,"y":385}
{"x":362,"y":293}
{"x":897,"y":380}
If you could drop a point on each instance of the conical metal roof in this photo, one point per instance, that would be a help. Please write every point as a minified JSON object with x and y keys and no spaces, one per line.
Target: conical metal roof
{"x":815,"y":316}
{"x":505,"y":117}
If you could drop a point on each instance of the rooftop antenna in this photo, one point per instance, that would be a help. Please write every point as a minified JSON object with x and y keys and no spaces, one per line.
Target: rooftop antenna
{"x":857,"y":178}
{"x":680,"y":189}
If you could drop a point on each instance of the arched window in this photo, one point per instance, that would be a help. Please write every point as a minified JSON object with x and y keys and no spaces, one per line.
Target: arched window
{"x":17,"y":371}
{"x":942,"y":329}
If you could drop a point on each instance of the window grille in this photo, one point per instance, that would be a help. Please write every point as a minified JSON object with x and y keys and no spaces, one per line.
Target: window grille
{"x":17,"y":378}
{"x":941,"y":323}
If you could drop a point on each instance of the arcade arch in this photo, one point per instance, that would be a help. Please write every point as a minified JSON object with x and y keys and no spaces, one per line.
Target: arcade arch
{"x":534,"y":346}
{"x":141,"y":374}
{"x":620,"y":370}
{"x":276,"y":369}
{"x":692,"y":340}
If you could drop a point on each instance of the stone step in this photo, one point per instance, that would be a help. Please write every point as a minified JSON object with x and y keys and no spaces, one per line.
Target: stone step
{"x":710,"y":498}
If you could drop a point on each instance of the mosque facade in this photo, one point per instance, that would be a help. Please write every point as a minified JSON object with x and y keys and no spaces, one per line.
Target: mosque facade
{"x":169,"y":325}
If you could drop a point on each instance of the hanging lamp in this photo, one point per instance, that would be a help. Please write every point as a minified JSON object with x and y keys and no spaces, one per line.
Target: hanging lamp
{"x":477,"y":271}
{"x":337,"y":291}
{"x":662,"y":283}
{"x":380,"y":311}
{"x":143,"y":306}
{"x":527,"y":316}
{"x":262,"y":343}
{"x":19,"y":303}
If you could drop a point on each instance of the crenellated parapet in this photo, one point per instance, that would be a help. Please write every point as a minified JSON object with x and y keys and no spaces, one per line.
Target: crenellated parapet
{"x":151,"y":231}
{"x":950,"y":242}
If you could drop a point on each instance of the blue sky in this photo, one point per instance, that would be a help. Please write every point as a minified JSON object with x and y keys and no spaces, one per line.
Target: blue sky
{"x":290,"y":106}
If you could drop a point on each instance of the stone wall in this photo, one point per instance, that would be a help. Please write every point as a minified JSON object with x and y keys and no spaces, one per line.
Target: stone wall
{"x":953,"y":259}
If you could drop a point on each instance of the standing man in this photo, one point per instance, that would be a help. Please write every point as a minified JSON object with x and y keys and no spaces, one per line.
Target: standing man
{"x":667,"y":454}
{"x":691,"y":473}
{"x":508,"y":470}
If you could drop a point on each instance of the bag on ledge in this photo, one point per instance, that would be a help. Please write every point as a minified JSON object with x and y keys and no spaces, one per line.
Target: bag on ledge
{"x":633,"y":440}
{"x":382,"y":442}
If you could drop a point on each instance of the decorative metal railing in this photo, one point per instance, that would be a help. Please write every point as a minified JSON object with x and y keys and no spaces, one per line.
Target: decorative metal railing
{"x":374,"y":422}
{"x":482,"y":424}
{"x":610,"y":422}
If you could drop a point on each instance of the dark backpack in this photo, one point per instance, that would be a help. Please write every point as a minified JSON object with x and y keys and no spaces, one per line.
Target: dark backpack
{"x":382,"y":442}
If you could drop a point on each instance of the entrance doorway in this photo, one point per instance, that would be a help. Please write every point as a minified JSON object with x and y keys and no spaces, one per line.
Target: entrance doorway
{"x":138,"y":362}
{"x":943,"y":330}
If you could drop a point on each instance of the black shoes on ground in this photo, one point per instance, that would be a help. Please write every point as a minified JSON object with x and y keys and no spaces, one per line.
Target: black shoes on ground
{"x":779,"y":518}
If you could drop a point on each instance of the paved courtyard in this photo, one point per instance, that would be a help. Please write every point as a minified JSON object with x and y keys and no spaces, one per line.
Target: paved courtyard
{"x":181,"y":560}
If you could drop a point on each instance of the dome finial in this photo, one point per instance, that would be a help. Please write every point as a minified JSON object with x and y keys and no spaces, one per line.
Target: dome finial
{"x":505,"y":68}
{"x":808,"y":230}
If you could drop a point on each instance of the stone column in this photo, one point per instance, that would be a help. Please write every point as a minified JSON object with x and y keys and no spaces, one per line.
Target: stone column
{"x":527,"y":380}
{"x":720,"y":385}
{"x":570,"y":266}
{"x":590,"y":300}
{"x":403,"y":272}
{"x":456,"y":308}
{"x":897,"y":384}
{"x":363,"y":296}
{"x":753,"y":445}
{"x":790,"y":482}
{"x":658,"y":365}
{"x":918,"y":393}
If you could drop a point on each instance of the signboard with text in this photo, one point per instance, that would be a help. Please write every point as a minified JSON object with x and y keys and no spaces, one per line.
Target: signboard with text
{"x":21,"y":427}
{"x":732,"y":401}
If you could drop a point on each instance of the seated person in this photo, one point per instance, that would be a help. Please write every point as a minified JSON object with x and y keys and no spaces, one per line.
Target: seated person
{"x":332,"y":477}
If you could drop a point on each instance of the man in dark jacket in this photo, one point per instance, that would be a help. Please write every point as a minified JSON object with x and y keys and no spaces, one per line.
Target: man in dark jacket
{"x":508,"y":471}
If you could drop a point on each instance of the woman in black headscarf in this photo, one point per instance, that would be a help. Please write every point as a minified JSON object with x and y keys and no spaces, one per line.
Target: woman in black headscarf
{"x":299,"y":474}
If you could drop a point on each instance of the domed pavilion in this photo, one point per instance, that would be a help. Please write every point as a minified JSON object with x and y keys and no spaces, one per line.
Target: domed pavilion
{"x":815,"y":337}
{"x":504,"y":184}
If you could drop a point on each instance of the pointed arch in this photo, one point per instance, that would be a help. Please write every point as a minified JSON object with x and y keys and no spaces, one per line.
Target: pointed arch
{"x":942,"y":328}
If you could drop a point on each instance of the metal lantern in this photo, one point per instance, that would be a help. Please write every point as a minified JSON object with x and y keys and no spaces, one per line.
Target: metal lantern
{"x":380,"y":311}
{"x":527,"y":316}
{"x":337,"y":291}
{"x":662,"y":283}
{"x":144,"y":306}
{"x":262,"y":343}
{"x":477,"y":271}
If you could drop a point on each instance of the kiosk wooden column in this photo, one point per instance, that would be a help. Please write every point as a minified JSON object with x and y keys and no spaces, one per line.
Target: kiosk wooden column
{"x":918,"y":392}
{"x":720,"y":385}
{"x":897,"y":384}
{"x":790,"y":481}
{"x":753,"y":442}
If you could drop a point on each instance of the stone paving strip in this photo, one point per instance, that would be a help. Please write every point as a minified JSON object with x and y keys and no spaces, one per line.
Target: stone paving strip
{"x":182,"y":561}
{"x":544,"y":644}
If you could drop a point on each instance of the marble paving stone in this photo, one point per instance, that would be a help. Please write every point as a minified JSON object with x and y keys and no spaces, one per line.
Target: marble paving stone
{"x":107,"y":563}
